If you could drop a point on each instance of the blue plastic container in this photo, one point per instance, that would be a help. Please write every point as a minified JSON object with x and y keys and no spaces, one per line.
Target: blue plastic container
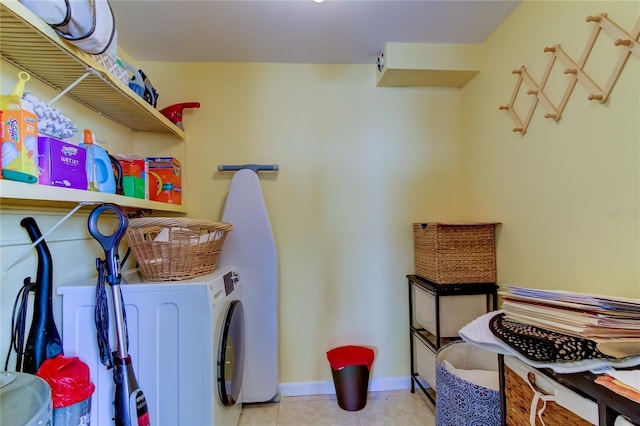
{"x":104,"y":171}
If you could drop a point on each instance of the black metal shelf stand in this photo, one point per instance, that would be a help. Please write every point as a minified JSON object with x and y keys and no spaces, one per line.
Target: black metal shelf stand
{"x":436,"y":341}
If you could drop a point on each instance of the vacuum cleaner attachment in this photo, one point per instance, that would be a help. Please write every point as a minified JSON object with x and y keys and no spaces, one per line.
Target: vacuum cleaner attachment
{"x":44,"y":341}
{"x":174,"y":112}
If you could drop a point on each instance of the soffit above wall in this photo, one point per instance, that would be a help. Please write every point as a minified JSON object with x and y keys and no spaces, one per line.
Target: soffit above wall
{"x":419,"y":65}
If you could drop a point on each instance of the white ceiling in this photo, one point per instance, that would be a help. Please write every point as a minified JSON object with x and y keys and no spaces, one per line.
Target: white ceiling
{"x":296,"y":31}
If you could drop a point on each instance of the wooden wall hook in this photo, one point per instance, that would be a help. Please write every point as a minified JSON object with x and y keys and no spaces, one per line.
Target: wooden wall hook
{"x":596,"y":18}
{"x":622,"y":42}
{"x":630,"y":40}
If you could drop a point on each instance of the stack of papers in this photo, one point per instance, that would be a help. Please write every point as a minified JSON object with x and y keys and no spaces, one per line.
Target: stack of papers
{"x":625,"y":383}
{"x":612,"y":322}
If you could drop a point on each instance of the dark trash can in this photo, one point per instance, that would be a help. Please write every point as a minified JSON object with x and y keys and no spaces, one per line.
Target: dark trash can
{"x":350,"y":366}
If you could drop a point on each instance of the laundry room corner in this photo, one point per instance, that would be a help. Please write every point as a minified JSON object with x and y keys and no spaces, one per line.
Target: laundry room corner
{"x":353,"y":163}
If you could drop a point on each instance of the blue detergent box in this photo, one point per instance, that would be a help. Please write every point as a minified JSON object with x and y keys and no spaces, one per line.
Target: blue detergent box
{"x":61,"y":163}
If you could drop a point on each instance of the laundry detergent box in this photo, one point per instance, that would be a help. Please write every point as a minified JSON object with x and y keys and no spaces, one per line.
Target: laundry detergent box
{"x":165,"y":180}
{"x":134,"y":176}
{"x":133,"y":186}
{"x":19,"y":145}
{"x":1,"y":136}
{"x":61,"y":163}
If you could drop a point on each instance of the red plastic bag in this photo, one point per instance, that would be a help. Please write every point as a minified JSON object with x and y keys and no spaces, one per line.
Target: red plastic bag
{"x":345,"y":356}
{"x":68,"y":378}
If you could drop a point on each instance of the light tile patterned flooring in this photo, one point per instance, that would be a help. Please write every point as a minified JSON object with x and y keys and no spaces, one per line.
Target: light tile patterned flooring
{"x":388,"y":408}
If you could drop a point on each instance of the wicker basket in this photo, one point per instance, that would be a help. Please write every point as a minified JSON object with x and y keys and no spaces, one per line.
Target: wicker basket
{"x":519,"y":397}
{"x":455,"y":253}
{"x":171,"y":249}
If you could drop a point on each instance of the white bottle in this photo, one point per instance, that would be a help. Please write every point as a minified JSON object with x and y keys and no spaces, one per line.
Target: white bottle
{"x":92,"y":172}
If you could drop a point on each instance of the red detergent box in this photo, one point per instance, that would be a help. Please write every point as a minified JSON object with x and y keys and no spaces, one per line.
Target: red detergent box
{"x":165,"y":180}
{"x":134,"y":176}
{"x":61,"y":163}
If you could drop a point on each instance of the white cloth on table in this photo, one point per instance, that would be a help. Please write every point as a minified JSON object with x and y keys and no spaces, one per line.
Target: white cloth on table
{"x":477,"y":332}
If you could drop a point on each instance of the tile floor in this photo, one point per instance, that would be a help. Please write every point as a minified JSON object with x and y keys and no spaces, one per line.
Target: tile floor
{"x":388,"y":408}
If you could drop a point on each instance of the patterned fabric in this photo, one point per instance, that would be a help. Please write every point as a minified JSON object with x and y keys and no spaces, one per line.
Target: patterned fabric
{"x":539,"y":344}
{"x":460,"y":403}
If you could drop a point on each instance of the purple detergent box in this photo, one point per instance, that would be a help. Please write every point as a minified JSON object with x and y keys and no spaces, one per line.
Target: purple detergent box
{"x":61,"y":163}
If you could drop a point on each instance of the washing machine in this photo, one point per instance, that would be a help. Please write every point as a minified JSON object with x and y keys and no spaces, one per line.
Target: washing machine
{"x":186,"y":340}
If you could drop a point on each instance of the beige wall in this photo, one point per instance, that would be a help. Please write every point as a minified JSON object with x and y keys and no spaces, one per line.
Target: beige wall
{"x":567,"y":192}
{"x":358,"y":164}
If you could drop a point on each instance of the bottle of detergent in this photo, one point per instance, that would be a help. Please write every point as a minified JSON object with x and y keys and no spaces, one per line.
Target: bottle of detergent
{"x":99,"y":171}
{"x":92,"y":175}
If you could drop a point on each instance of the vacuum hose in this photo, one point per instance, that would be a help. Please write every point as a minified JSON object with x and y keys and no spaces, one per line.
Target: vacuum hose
{"x":44,"y":341}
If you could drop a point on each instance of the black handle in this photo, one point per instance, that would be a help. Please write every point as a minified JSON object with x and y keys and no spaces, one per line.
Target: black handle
{"x":115,"y":164}
{"x":44,"y":341}
{"x":109,"y":243}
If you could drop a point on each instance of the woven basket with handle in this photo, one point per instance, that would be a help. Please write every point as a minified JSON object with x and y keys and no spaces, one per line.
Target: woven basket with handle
{"x":171,"y":249}
{"x":519,"y":397}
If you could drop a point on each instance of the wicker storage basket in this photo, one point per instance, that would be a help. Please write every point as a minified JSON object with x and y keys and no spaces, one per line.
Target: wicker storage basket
{"x":171,"y":249}
{"x":519,"y":397}
{"x":455,"y":253}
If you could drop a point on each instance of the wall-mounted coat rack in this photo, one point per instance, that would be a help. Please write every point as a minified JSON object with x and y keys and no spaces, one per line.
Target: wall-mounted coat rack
{"x":629,"y":44}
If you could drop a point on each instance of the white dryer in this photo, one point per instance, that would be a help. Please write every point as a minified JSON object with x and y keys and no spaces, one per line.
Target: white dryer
{"x":186,"y":340}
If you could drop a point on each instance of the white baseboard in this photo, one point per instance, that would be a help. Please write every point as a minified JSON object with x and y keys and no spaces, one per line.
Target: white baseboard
{"x":328,"y":388}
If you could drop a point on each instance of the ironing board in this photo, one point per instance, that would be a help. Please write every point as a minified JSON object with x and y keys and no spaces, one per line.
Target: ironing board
{"x":251,"y":248}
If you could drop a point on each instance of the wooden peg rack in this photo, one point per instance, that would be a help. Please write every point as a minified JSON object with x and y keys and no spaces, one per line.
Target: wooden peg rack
{"x":629,"y":44}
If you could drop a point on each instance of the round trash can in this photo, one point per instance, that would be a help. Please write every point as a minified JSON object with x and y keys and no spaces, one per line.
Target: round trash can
{"x":467,"y":389}
{"x":71,"y":390}
{"x":350,"y":366}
